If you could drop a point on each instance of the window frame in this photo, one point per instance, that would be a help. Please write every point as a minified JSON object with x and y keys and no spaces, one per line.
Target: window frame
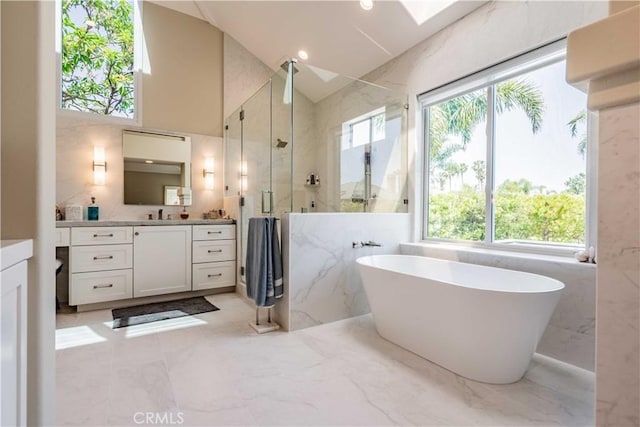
{"x":138,"y":65}
{"x":487,"y":79}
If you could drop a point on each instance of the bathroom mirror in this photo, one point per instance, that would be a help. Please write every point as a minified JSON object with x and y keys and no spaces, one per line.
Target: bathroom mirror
{"x":157,"y":169}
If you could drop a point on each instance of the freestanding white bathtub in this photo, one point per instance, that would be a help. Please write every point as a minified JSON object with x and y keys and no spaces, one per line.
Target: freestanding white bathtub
{"x":480,"y":322}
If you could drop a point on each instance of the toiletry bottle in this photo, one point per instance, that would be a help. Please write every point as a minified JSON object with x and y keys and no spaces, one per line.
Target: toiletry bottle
{"x":92,"y":210}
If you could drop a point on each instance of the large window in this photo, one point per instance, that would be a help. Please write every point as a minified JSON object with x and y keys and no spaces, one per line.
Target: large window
{"x":98,"y":55}
{"x":506,"y":156}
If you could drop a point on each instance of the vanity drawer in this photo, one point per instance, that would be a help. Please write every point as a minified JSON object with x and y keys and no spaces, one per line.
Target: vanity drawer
{"x":214,"y":232}
{"x":101,"y":257}
{"x":63,"y":236}
{"x":89,"y":288}
{"x":101,"y":235}
{"x":214,"y":250}
{"x":212,"y":275}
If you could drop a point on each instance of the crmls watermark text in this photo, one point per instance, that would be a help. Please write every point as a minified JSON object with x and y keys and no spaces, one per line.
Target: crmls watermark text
{"x":158,"y":418}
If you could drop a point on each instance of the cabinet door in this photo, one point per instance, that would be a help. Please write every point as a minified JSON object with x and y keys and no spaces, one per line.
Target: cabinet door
{"x":13,"y":336}
{"x":161,"y":260}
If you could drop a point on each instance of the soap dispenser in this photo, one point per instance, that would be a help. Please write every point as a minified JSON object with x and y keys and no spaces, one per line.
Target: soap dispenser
{"x":92,"y":210}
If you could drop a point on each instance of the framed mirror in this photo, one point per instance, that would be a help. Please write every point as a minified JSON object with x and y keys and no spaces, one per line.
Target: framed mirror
{"x":157,"y":169}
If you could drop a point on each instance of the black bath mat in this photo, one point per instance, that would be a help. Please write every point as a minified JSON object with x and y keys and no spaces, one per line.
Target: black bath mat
{"x":146,"y":313}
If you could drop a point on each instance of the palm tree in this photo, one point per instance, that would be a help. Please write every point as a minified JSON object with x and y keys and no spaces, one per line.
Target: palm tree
{"x":479,"y":169}
{"x":573,"y":124}
{"x":462,"y":169}
{"x":459,"y":116}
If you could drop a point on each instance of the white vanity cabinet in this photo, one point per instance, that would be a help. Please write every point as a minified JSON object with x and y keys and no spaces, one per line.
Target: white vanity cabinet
{"x":119,"y":260}
{"x":161,"y":260}
{"x":101,"y":261}
{"x":214,"y":254}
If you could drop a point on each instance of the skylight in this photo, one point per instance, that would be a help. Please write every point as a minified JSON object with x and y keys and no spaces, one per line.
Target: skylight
{"x":421,"y":11}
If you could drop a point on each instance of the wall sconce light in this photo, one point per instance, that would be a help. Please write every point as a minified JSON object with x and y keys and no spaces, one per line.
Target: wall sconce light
{"x":243,"y":177}
{"x":99,"y":166}
{"x":207,"y":173}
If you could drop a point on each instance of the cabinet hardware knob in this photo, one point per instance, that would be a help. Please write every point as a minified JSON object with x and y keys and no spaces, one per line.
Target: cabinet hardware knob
{"x":103,"y":235}
{"x":103,"y":257}
{"x":104,"y":285}
{"x":212,"y":251}
{"x":214,"y":275}
{"x":137,"y":233}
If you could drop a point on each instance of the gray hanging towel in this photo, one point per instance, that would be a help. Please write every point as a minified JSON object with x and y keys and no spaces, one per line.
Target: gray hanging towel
{"x":264,"y":262}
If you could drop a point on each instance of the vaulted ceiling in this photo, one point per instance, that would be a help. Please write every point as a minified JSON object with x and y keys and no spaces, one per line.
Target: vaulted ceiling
{"x":338,"y":35}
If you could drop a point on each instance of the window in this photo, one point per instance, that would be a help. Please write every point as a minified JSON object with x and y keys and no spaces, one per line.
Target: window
{"x":359,"y":136}
{"x":98,"y":55}
{"x":506,"y":156}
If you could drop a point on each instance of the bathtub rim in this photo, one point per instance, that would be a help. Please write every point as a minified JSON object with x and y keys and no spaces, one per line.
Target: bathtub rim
{"x":559,"y":286}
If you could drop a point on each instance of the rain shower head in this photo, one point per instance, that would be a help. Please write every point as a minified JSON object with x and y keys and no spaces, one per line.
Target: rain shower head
{"x":281,"y":143}
{"x":285,"y":67}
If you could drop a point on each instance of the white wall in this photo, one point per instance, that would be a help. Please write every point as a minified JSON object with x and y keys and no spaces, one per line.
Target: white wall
{"x":28,"y":181}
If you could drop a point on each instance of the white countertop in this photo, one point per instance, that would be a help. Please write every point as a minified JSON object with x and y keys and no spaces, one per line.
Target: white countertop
{"x":124,"y":223}
{"x":14,"y":251}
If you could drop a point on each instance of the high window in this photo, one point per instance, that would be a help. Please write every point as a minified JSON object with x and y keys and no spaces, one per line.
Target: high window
{"x":361,"y":138}
{"x":98,"y":56}
{"x":506,"y":156}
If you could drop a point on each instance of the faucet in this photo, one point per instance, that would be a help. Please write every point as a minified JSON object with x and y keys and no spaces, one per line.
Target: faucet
{"x":159,"y":213}
{"x":363,"y":244}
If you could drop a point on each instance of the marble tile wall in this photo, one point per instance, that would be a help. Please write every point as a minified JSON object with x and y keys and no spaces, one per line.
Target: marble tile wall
{"x":75,"y":139}
{"x":244,"y":74}
{"x":570,"y":336}
{"x":322,"y":283}
{"x":618,"y":326}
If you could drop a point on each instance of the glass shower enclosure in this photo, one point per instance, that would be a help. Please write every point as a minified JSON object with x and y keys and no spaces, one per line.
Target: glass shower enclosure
{"x":310,"y":140}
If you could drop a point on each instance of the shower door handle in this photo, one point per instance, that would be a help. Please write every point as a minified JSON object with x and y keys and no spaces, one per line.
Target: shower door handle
{"x":267,"y":201}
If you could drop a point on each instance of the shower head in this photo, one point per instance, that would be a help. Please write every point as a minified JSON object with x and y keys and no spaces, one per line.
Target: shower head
{"x":281,"y":143}
{"x":285,"y":67}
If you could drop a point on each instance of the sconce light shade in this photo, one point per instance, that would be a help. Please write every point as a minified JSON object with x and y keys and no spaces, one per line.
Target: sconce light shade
{"x":207,"y":173}
{"x":243,"y":177}
{"x":99,"y":166}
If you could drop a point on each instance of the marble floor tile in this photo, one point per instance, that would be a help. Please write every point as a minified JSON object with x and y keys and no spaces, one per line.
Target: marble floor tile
{"x":213,"y":369}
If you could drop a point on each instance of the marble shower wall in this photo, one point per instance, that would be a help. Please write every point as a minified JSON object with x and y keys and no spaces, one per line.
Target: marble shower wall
{"x":322,"y":283}
{"x":75,"y":139}
{"x":570,"y":335}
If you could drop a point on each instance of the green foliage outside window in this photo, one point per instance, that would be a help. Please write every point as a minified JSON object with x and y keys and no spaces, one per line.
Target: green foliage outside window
{"x":97,"y":56}
{"x":519,"y":215}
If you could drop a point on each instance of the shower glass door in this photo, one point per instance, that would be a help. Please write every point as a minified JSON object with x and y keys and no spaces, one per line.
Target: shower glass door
{"x":255,"y":165}
{"x":266,"y":146}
